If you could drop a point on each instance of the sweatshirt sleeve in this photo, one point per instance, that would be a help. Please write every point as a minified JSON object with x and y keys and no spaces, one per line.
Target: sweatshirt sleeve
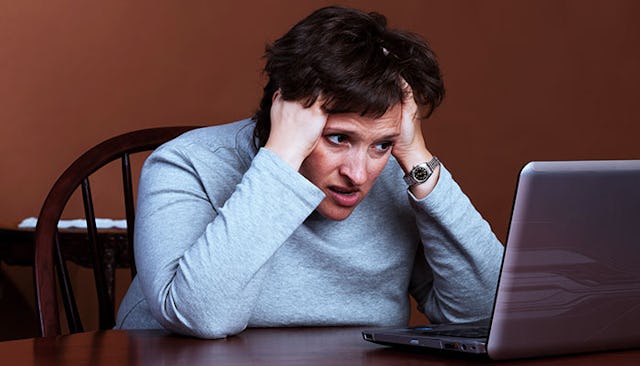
{"x":455,"y":279}
{"x":201,"y":266}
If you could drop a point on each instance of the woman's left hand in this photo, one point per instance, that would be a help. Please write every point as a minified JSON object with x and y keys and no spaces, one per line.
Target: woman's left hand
{"x":410,"y":148}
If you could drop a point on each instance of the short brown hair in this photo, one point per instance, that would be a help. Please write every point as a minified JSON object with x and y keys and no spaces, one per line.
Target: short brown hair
{"x":354,"y":61}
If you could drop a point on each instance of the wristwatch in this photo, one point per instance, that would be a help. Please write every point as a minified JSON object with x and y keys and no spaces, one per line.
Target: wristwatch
{"x":421,"y":172}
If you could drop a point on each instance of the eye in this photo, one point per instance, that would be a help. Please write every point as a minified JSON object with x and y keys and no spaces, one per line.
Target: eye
{"x":383,"y":146}
{"x":336,"y":138}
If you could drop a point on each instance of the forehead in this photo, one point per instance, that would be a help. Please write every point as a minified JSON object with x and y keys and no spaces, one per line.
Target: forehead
{"x":387,"y":124}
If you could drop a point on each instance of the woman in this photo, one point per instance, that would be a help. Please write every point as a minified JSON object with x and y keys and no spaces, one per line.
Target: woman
{"x":325,"y":208}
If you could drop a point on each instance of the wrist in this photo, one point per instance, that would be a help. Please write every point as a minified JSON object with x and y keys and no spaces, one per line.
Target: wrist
{"x":412,"y":157}
{"x":408,"y":159}
{"x":422,"y":190}
{"x":285,"y":153}
{"x":422,"y":172}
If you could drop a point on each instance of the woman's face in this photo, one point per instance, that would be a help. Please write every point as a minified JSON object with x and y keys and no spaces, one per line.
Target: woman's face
{"x":350,"y":155}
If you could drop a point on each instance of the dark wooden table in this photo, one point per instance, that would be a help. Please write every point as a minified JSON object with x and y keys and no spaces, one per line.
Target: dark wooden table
{"x":276,"y":346}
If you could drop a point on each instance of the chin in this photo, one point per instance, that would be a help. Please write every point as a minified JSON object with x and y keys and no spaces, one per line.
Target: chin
{"x":335,"y":213}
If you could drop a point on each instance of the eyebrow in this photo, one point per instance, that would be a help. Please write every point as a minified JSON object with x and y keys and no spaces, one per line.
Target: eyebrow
{"x":341,"y":130}
{"x":390,"y":136}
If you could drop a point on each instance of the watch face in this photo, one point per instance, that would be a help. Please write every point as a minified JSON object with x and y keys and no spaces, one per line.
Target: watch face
{"x":421,"y":174}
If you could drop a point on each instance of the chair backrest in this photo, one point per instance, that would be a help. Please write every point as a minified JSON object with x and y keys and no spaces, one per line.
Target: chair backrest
{"x":48,"y":257}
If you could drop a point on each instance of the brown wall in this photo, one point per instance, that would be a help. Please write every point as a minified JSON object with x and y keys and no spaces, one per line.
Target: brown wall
{"x":526,"y":80}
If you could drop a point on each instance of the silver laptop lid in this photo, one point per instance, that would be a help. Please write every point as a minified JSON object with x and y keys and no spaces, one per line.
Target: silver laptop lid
{"x":570,"y":280}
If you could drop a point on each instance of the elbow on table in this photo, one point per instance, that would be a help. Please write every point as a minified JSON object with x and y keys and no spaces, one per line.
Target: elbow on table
{"x":218,"y":330}
{"x":215,"y":330}
{"x":203,"y":326}
{"x":195,"y":314}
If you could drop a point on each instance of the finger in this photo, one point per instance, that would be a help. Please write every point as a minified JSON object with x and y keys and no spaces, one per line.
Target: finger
{"x":406,"y":88}
{"x":318,"y":104}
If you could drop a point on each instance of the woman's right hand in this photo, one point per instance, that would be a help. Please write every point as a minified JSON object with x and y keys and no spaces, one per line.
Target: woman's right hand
{"x":295,"y":130}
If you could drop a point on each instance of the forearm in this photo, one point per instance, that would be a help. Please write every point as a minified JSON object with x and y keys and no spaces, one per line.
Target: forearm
{"x":202,"y":266}
{"x":462,"y":252}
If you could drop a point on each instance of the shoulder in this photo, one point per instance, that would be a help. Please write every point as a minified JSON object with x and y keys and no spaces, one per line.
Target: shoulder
{"x":206,"y":162}
{"x":231,"y":140}
{"x":231,"y":135}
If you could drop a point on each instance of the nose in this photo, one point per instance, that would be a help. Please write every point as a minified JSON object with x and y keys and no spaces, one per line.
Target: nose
{"x":354,"y":167}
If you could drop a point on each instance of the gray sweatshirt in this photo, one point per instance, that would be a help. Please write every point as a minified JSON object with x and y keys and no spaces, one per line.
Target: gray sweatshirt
{"x":227,"y":237}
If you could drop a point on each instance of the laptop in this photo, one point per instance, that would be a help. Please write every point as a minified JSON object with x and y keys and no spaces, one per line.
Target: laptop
{"x":570,"y":277}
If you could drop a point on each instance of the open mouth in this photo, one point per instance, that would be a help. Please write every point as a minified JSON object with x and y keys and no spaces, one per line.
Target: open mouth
{"x":344,"y":196}
{"x":342,"y":191}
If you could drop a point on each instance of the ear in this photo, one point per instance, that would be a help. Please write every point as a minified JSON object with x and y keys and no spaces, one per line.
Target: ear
{"x":275,"y":95}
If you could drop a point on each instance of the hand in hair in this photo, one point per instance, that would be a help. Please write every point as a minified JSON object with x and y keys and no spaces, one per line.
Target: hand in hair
{"x":410,"y":148}
{"x":295,"y":130}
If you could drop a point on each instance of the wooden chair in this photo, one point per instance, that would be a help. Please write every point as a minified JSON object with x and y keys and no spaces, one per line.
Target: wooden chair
{"x":49,"y":258}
